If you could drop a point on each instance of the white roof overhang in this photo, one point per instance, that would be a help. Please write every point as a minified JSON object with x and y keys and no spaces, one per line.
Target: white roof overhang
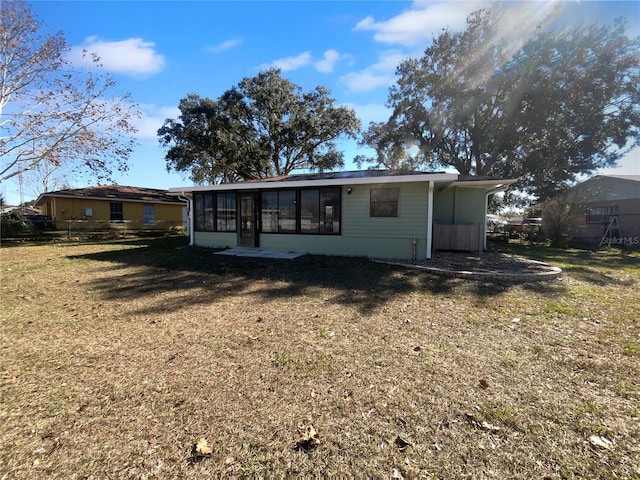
{"x":443,"y":179}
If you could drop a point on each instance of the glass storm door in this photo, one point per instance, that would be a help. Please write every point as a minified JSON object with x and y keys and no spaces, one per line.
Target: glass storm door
{"x":247,"y":233}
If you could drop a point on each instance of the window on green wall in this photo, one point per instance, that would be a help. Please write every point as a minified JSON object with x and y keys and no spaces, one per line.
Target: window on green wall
{"x":198,"y":211}
{"x":226,"y":212}
{"x":307,"y":210}
{"x":215,"y":212}
{"x":310,"y":211}
{"x":330,"y":210}
{"x":384,"y":202}
{"x":269,"y":212}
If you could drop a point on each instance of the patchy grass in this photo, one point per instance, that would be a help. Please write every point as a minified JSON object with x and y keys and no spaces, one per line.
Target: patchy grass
{"x":118,"y":357}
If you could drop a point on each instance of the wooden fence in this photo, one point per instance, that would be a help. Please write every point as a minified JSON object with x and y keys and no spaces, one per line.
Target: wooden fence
{"x":458,"y":237}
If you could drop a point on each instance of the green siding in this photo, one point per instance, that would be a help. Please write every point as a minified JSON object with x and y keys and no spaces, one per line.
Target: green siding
{"x":374,"y":247}
{"x":362,"y":235}
{"x":459,"y":206}
{"x":443,"y":202}
{"x":216,"y":239}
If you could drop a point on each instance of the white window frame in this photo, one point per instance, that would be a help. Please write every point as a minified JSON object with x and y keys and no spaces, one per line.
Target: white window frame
{"x":148,"y":214}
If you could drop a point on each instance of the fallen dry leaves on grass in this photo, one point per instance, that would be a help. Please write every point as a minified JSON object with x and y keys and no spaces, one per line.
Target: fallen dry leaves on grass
{"x":120,"y":359}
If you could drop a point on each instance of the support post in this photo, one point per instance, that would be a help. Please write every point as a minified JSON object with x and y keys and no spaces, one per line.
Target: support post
{"x":429,"y":220}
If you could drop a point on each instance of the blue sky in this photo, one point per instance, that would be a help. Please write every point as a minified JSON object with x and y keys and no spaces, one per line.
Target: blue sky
{"x":160,"y":51}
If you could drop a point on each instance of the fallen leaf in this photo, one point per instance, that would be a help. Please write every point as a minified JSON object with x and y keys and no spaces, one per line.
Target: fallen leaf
{"x":401,"y":443}
{"x":396,"y":475}
{"x":482,"y":425}
{"x":489,"y":428}
{"x":484,"y":383}
{"x":202,"y":447}
{"x":601,"y":442}
{"x":307,"y":438}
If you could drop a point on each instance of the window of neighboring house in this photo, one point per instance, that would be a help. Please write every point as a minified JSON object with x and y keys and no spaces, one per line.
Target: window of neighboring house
{"x":115,"y":212}
{"x":601,"y":214}
{"x":384,"y":202}
{"x":148,"y":215}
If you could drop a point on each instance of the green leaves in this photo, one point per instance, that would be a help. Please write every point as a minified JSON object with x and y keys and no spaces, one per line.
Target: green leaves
{"x":547,"y":107}
{"x":262,"y":127}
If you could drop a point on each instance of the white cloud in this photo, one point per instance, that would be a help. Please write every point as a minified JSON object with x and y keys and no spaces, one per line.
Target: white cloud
{"x":133,"y":56}
{"x":226,"y":45}
{"x":380,"y":74}
{"x":290,"y":63}
{"x":152,"y":119}
{"x":627,"y":165}
{"x":419,"y":24}
{"x":371,"y":112}
{"x":327,"y":64}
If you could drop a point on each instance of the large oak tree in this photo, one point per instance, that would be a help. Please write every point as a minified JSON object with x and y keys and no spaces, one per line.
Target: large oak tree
{"x":52,"y":112}
{"x":545,"y":109}
{"x":264,"y":126}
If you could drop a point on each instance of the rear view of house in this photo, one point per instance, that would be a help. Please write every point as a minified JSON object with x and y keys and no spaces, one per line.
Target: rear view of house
{"x":374,"y":213}
{"x":134,"y":207}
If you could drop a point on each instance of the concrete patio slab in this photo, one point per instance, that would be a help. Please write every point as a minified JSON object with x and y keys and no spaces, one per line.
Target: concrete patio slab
{"x":257,"y":252}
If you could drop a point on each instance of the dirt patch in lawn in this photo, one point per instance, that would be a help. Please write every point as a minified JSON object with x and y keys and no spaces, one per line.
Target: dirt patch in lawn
{"x":136,"y":359}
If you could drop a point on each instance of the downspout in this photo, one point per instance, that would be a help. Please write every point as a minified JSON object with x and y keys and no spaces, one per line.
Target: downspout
{"x":484,"y":228}
{"x":189,"y":200}
{"x":429,"y":219}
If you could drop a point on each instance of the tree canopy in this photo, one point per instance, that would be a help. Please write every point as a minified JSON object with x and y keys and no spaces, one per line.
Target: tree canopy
{"x":52,"y":111}
{"x":262,"y":127}
{"x":545,"y":109}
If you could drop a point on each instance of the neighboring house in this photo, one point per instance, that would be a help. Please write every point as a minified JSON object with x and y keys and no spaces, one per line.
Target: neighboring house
{"x":609,"y":211}
{"x":374,"y":213}
{"x":114,"y":204}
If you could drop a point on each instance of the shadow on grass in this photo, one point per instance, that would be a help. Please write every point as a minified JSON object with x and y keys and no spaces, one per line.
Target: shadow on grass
{"x":591,"y":266}
{"x":167,"y":267}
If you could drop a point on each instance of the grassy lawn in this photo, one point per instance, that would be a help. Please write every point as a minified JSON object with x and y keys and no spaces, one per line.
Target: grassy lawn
{"x":118,"y":356}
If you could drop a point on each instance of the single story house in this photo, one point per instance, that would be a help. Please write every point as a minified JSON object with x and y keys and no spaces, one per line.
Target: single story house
{"x":374,"y":213}
{"x":609,"y":211}
{"x":115,"y":205}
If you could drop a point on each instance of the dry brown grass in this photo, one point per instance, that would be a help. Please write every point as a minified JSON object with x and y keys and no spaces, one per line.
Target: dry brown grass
{"x":117,"y":357}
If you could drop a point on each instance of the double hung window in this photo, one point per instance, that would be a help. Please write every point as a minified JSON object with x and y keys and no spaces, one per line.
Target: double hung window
{"x":115,"y":212}
{"x":148,"y":215}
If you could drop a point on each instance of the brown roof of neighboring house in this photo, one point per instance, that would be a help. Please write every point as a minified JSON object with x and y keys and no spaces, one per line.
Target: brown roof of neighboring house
{"x":115,"y":192}
{"x":633,"y":178}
